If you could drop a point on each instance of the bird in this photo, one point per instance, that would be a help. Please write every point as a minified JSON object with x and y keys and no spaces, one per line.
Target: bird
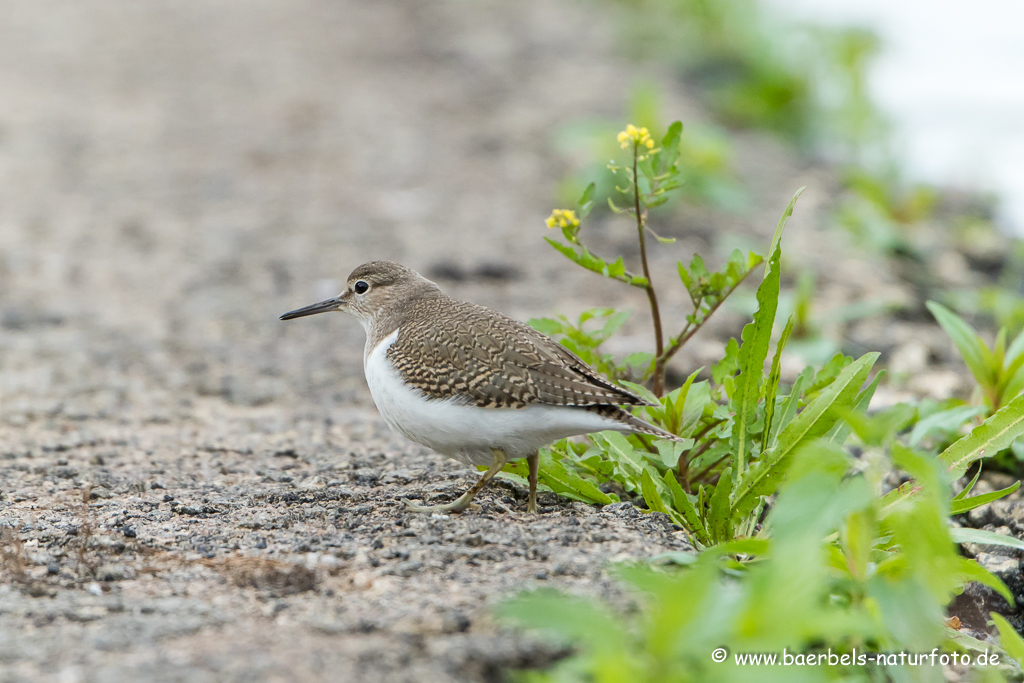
{"x":469,"y":382}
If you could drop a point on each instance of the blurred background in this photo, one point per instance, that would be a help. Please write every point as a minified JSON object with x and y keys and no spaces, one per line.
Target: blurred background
{"x":174,"y":175}
{"x":947,"y":79}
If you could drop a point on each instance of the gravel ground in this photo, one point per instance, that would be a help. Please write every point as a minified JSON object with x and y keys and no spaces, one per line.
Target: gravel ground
{"x":195,"y":491}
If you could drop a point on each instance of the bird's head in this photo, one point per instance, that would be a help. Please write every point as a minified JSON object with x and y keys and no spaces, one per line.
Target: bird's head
{"x":372,"y":289}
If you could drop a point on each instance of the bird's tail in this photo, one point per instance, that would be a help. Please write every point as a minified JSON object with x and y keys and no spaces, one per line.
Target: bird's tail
{"x":632,"y":423}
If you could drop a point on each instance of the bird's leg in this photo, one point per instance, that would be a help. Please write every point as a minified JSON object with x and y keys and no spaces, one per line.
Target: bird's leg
{"x":463,"y":501}
{"x":533,"y":461}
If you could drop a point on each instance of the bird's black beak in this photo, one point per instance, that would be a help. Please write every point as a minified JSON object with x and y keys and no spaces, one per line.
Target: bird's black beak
{"x":334,"y":304}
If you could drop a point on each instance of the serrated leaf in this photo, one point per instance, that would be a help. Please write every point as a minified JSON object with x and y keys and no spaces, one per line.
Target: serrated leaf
{"x":757,"y":337}
{"x":615,"y":270}
{"x":988,"y":438}
{"x":726,"y":367}
{"x":959,"y":506}
{"x":815,"y":420}
{"x":684,"y":275}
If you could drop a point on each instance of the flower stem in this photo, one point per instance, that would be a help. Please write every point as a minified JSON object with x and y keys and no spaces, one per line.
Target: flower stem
{"x":658,"y":386}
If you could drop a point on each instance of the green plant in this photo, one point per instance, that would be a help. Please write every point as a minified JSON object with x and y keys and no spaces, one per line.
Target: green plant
{"x":650,"y":174}
{"x":998,"y":369}
{"x":841,"y":573}
{"x":739,"y":431}
{"x":754,"y":71}
{"x":704,"y":164}
{"x":850,"y":569}
{"x":881,"y":213}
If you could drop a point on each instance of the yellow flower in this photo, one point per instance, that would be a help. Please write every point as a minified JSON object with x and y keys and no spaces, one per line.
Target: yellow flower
{"x":562,"y":218}
{"x":636,"y":136}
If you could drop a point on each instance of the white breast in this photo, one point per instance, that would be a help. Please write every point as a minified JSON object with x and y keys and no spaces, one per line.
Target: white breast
{"x":467,"y":433}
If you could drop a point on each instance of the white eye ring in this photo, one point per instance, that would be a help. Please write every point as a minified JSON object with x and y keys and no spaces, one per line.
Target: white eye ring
{"x":361,"y":287}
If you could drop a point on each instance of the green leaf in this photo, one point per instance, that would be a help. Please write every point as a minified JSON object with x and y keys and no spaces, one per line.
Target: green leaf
{"x":971,"y":347}
{"x":726,"y":367}
{"x":719,"y":510}
{"x":970,"y":485}
{"x":1009,"y":639}
{"x":548,"y":326}
{"x":777,"y":237}
{"x":970,"y":570}
{"x":681,"y":501}
{"x":639,"y":362}
{"x":961,"y":505}
{"x":573,"y":619}
{"x":672,"y":137}
{"x":815,"y":420}
{"x":631,"y":465}
{"x":641,"y":391}
{"x":772,"y":388}
{"x":615,"y":270}
{"x":669,"y":451}
{"x":566,"y":482}
{"x":1016,"y":349}
{"x":828,"y":373}
{"x":944,"y":421}
{"x":651,"y":497}
{"x":988,"y":438}
{"x":982,"y":537}
{"x":790,"y":405}
{"x":697,"y":399}
{"x":880,"y":428}
{"x":586,"y":203}
{"x":839,"y":433}
{"x":757,"y":337}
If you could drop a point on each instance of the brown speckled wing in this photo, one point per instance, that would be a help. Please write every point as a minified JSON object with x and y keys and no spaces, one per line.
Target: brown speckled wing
{"x":448,"y":348}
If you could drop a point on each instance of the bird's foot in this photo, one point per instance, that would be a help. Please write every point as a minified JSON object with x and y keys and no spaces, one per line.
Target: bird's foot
{"x":459,"y":505}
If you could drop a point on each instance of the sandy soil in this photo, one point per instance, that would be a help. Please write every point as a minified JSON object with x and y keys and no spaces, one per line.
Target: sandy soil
{"x":195,"y":491}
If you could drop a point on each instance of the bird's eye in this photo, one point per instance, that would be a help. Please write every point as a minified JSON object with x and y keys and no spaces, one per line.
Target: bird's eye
{"x":360,"y":287}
